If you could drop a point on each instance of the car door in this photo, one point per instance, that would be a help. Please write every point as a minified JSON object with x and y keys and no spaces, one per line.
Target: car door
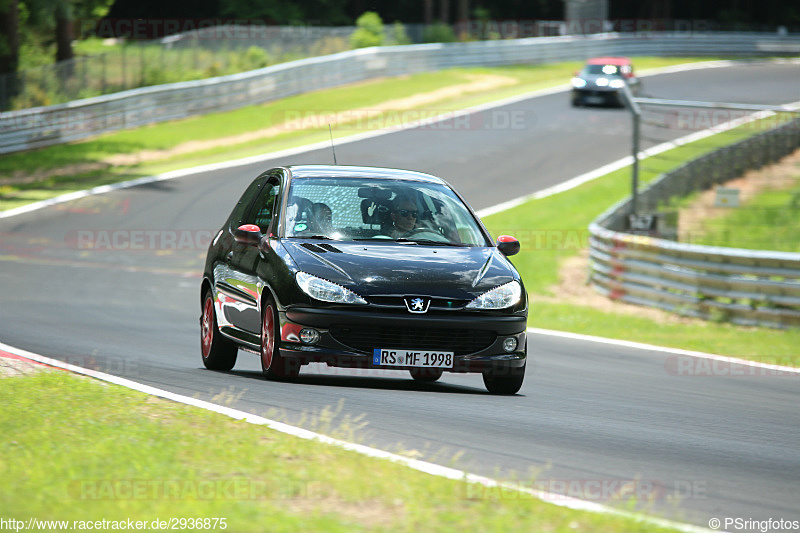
{"x":229,"y":288}
{"x":246,"y":258}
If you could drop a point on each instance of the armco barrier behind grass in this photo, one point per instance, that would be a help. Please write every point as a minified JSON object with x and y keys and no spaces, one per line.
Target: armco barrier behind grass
{"x":747,"y":287}
{"x":166,"y":102}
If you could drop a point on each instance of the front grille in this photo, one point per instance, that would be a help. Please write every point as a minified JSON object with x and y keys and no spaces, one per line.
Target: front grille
{"x":399,"y":302}
{"x":458,"y":341}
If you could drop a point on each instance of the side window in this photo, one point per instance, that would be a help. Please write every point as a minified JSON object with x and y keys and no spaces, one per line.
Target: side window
{"x":264,"y":207}
{"x":237,"y":215}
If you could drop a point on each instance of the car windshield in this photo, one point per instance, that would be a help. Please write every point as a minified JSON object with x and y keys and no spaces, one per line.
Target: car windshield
{"x":608,"y":70}
{"x":370,"y":209}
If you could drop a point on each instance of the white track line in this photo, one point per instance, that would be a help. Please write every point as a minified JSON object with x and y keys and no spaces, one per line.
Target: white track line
{"x":665,"y":349}
{"x":628,"y":160}
{"x":564,"y":186}
{"x":422,"y":466}
{"x":325,"y":144}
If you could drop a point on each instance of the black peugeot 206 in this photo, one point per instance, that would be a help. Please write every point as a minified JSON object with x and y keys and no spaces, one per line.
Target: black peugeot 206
{"x":363,"y":267}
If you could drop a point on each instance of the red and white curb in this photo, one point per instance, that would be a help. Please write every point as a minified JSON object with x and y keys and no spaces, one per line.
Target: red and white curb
{"x":12,"y":364}
{"x":421,"y":466}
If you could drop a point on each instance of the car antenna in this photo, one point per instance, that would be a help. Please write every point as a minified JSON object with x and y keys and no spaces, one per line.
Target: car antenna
{"x":332,"y":147}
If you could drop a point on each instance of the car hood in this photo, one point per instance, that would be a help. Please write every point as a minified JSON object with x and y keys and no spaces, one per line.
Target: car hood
{"x":404,"y":269}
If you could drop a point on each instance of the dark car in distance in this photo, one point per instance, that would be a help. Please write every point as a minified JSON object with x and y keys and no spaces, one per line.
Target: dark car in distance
{"x":601,"y":81}
{"x":362,"y":267}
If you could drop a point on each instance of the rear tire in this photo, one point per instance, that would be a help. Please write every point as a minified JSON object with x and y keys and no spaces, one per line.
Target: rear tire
{"x":274,"y":366}
{"x":504,"y":380}
{"x":426,"y":375}
{"x":219,"y":353}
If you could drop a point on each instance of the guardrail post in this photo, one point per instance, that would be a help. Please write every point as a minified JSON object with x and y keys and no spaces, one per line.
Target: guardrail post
{"x":747,"y":287}
{"x":124,"y":66}
{"x":141,"y":63}
{"x":84,"y":74}
{"x":103,"y":75}
{"x":637,"y":113}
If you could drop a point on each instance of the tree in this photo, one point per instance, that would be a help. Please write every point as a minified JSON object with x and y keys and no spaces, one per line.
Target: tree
{"x":9,"y":36}
{"x":55,"y":17}
{"x":62,"y":14}
{"x":369,"y":31}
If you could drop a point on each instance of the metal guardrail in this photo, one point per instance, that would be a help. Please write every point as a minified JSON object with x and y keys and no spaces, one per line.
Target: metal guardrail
{"x":46,"y":126}
{"x":748,"y":287}
{"x":192,"y":55}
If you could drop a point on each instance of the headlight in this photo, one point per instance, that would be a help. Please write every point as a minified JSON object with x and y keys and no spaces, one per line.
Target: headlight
{"x":601,"y":82}
{"x":617,"y":84}
{"x":578,"y":83}
{"x":327,"y":291}
{"x":498,"y":298}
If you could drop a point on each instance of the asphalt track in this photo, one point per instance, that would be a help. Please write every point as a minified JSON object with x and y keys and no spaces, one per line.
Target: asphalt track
{"x":589,"y":415}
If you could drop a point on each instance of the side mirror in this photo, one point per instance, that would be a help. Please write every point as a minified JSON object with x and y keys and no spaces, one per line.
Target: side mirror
{"x":247,"y":234}
{"x":507,"y":245}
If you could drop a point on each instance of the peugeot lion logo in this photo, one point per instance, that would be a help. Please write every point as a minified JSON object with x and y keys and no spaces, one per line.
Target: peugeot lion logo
{"x":417,"y":305}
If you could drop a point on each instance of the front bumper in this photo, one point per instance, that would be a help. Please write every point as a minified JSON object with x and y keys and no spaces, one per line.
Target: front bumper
{"x":347,"y":337}
{"x":597,"y":95}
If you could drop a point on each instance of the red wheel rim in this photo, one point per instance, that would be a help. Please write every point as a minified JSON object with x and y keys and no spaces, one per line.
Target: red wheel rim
{"x":207,"y":328}
{"x":267,"y":338}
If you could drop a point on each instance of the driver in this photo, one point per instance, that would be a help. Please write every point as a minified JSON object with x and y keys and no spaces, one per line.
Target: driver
{"x":324,"y":216}
{"x":404,"y":216}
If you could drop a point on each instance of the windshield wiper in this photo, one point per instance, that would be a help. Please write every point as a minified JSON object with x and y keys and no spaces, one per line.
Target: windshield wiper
{"x":318,"y":237}
{"x":431,"y":242}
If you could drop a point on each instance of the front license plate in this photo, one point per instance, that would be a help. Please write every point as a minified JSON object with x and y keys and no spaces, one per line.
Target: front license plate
{"x":417,"y":358}
{"x":595,"y":99}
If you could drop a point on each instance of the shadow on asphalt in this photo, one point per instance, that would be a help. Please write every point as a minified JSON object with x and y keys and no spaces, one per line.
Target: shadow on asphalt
{"x":368,"y":382}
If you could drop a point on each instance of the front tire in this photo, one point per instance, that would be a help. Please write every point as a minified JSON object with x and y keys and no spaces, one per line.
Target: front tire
{"x":274,"y":366}
{"x":504,"y":380}
{"x":218,"y":352}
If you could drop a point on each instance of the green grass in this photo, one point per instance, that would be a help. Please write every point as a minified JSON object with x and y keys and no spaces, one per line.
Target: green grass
{"x":551,"y":229}
{"x":757,"y":344}
{"x":124,"y":455}
{"x":554,"y":229}
{"x":768,"y":221}
{"x":17,"y":192}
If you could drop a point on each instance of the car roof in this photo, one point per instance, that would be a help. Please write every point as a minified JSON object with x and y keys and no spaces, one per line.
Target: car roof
{"x":345,"y":171}
{"x":609,"y":60}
